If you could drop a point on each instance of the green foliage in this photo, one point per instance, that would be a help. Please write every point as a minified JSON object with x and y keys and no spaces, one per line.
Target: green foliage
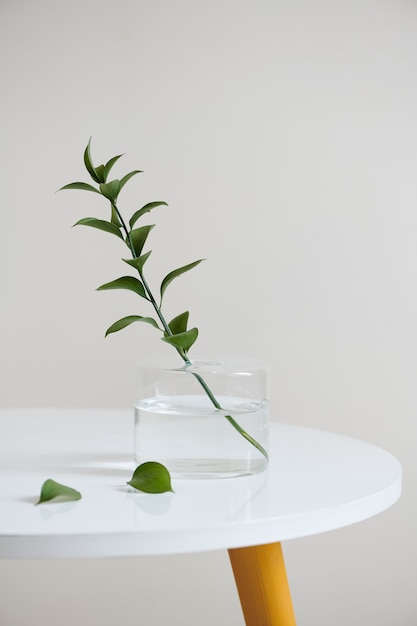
{"x":170,"y":277}
{"x":138,"y":262}
{"x":179,"y":337}
{"x":51,"y":490}
{"x":81,"y":186}
{"x":104,"y":170}
{"x":145,"y":209}
{"x":100,"y":173}
{"x":114,"y":217}
{"x":89,"y":164}
{"x":101,"y":225}
{"x":179,"y":323}
{"x":110,"y":190}
{"x":184,"y":340}
{"x":128,"y":177}
{"x":151,"y":477}
{"x":135,"y":237}
{"x":129,"y":319}
{"x":126,"y":282}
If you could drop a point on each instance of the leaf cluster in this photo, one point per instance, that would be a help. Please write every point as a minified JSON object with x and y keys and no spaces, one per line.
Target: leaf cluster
{"x":149,"y":477}
{"x":175,"y":332}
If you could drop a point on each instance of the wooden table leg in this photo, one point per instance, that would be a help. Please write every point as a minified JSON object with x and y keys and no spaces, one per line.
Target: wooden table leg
{"x":262,"y":584}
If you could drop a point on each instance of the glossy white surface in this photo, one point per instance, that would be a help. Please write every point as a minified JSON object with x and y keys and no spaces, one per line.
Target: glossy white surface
{"x":317,"y":481}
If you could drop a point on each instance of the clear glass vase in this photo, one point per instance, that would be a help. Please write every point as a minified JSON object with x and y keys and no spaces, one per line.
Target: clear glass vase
{"x":207,"y":419}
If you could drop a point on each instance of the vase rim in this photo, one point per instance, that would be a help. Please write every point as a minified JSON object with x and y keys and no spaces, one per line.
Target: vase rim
{"x":204,"y":363}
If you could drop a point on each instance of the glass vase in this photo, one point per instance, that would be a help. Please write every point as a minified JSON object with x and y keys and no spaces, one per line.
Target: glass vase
{"x":206,"y":419}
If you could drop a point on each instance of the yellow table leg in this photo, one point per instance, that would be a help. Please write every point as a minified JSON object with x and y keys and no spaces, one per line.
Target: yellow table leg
{"x":262,"y":584}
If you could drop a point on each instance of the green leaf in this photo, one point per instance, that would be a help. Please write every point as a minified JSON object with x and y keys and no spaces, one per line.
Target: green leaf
{"x":170,"y":277}
{"x":100,"y":173}
{"x":151,"y":477}
{"x":179,"y":323}
{"x":89,"y":164}
{"x":124,"y":180}
{"x":109,"y":165}
{"x":111,"y":190}
{"x":126,"y":321}
{"x":51,"y":489}
{"x":145,"y":209}
{"x":138,"y":262}
{"x":138,"y":237}
{"x":100,"y":224}
{"x":125,"y":282}
{"x":82,"y":186}
{"x":182,"y":340}
{"x":114,"y":217}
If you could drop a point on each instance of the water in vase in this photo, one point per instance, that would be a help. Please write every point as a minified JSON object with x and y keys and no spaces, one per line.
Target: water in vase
{"x":194,"y":439}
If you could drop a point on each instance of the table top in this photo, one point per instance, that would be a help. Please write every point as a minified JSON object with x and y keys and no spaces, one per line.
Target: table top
{"x":317,"y":481}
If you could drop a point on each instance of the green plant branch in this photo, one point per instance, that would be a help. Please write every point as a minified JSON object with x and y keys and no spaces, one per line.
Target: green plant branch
{"x":149,"y":293}
{"x":184,"y":354}
{"x":110,"y":191}
{"x":129,"y":241}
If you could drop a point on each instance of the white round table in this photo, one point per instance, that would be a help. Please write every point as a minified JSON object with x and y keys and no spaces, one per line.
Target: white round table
{"x":316,"y":482}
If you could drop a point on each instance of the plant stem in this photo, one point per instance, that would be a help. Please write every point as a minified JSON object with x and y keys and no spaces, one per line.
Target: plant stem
{"x":183,"y":353}
{"x":145,"y":284}
{"x":229,"y":418}
{"x":147,"y":288}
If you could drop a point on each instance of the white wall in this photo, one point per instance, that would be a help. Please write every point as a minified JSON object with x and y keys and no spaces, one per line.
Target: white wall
{"x":283,"y":135}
